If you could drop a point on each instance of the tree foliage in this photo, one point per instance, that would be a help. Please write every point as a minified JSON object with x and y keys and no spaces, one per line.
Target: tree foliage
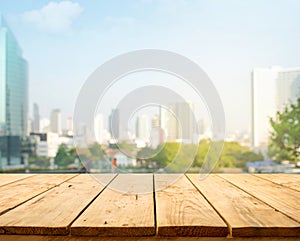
{"x":95,"y":151}
{"x":285,"y":138}
{"x":40,"y":161}
{"x":233,"y":155}
{"x":65,"y":156}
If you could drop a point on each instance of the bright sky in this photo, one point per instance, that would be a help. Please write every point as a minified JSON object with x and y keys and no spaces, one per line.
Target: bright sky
{"x":65,"y":41}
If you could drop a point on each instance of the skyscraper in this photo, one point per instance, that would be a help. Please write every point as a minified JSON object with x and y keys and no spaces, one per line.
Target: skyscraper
{"x":99,"y":127}
{"x":288,"y":86}
{"x":55,"y":121}
{"x":184,"y":113}
{"x":155,"y":121}
{"x":272,"y":89}
{"x":13,"y":97}
{"x":177,"y":120}
{"x":157,"y":134}
{"x":36,"y":118}
{"x":70,"y":126}
{"x":114,"y":123}
{"x":168,"y":122}
{"x":142,"y":128}
{"x":45,"y":125}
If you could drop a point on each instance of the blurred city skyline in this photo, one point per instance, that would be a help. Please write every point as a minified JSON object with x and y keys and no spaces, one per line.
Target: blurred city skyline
{"x":64,"y":42}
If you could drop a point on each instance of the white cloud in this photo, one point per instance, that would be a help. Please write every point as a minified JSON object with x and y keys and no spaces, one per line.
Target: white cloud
{"x":54,"y":17}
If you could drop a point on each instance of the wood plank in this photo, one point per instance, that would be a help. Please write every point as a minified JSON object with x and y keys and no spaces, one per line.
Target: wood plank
{"x":153,"y":238}
{"x":182,"y":211}
{"x":281,"y":198}
{"x":133,"y":184}
{"x":116,"y":213}
{"x":246,"y":215}
{"x":52,"y":212}
{"x":287,"y":180}
{"x":16,"y":193}
{"x":9,"y":178}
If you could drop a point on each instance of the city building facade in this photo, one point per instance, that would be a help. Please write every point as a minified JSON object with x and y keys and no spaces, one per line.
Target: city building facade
{"x":55,"y":121}
{"x":13,"y":98}
{"x":36,"y":118}
{"x":272,"y":89}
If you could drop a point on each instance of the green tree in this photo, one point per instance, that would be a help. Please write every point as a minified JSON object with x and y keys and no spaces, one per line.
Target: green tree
{"x":166,"y":155}
{"x":285,"y":138}
{"x":201,"y":152}
{"x":127,"y":147}
{"x":180,"y":155}
{"x":63,"y":156}
{"x":250,"y":156}
{"x":96,"y":151}
{"x":146,"y":153}
{"x":233,"y":155}
{"x":40,"y":161}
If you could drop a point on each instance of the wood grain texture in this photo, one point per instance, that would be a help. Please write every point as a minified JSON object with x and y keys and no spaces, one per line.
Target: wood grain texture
{"x":10,"y":178}
{"x":116,"y":213}
{"x":288,"y":180}
{"x":52,"y":212}
{"x":246,"y":215}
{"x":73,"y":238}
{"x":182,"y":211}
{"x":281,"y":198}
{"x":49,"y":204}
{"x":16,"y":193}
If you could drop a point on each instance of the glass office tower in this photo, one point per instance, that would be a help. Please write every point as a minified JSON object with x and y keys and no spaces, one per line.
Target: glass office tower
{"x":13,"y":98}
{"x":272,"y":89}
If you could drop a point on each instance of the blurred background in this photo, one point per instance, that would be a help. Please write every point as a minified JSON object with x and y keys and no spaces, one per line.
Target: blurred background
{"x":248,"y":49}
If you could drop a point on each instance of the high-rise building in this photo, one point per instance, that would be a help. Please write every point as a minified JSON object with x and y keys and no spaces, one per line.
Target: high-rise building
{"x":13,"y":97}
{"x":155,"y":121}
{"x":114,"y":123}
{"x":178,"y":122}
{"x":45,"y":125}
{"x":168,"y":122}
{"x":142,"y":128}
{"x":36,"y":118}
{"x":288,"y":86}
{"x":157,"y":134}
{"x":99,"y":128}
{"x":70,"y":126}
{"x":185,"y":116}
{"x":55,"y":121}
{"x":272,"y":89}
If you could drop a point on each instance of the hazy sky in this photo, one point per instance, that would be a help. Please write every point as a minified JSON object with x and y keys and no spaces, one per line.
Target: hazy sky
{"x":64,"y":41}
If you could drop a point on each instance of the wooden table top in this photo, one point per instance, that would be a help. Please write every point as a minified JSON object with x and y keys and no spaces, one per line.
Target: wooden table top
{"x":78,"y":207}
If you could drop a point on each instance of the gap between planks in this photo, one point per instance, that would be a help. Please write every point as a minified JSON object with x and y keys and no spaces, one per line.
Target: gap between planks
{"x":287,"y":180}
{"x":119,"y":210}
{"x":6,"y":179}
{"x":52,"y":212}
{"x":17,"y":193}
{"x":245,"y":215}
{"x":183,"y":211}
{"x":156,"y":216}
{"x":281,"y":199}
